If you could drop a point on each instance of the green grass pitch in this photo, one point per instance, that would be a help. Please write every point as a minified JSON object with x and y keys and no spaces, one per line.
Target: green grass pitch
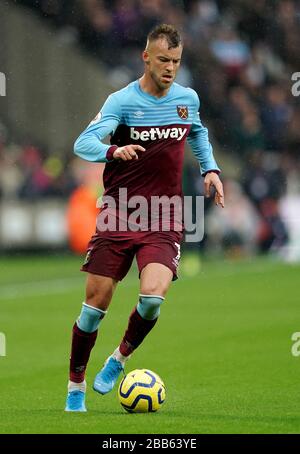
{"x":222,"y":346}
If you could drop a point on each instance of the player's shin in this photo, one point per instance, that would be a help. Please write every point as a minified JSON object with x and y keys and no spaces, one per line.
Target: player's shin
{"x":141,"y":321}
{"x":84,"y":336}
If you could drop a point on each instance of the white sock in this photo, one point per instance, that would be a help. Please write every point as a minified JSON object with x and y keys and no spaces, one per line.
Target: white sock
{"x":72,"y":386}
{"x":119,"y":357}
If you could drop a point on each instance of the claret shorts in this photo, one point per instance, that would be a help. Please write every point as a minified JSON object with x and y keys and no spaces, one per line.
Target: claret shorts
{"x":112,"y":254}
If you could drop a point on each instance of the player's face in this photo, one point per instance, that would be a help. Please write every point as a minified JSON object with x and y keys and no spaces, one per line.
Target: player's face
{"x":162,"y":63}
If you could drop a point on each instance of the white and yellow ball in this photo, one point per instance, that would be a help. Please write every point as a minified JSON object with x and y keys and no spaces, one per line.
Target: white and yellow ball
{"x":142,"y":391}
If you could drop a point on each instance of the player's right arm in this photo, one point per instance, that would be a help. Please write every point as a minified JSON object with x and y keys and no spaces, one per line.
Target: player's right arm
{"x":128,"y":152}
{"x":90,"y":146}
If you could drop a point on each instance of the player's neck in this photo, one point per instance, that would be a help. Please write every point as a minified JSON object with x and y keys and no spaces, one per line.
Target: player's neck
{"x":148,"y":85}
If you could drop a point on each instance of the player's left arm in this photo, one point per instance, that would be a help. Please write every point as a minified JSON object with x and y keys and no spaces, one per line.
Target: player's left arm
{"x":202,"y":149}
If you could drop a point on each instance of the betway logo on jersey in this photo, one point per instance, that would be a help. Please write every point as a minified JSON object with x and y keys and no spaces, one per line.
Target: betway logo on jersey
{"x":158,"y":133}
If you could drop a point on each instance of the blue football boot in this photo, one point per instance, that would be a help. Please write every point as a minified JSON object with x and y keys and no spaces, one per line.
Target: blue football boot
{"x":106,"y":379}
{"x":75,"y":401}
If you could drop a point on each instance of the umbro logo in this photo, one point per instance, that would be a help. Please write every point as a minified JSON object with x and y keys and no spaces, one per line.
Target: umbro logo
{"x":138,"y":114}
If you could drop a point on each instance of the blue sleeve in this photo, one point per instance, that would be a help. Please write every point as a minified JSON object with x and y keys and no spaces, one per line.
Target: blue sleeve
{"x":200,"y":145}
{"x":89,"y":145}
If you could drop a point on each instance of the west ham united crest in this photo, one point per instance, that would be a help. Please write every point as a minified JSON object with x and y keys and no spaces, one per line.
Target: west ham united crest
{"x":87,"y":257}
{"x":183,"y":112}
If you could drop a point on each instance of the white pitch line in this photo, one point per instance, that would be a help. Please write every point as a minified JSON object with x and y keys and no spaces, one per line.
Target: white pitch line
{"x":47,"y":287}
{"x":56,"y":286}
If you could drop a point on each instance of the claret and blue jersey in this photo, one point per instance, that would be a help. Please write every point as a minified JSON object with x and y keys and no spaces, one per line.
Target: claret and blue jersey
{"x":161,"y":126}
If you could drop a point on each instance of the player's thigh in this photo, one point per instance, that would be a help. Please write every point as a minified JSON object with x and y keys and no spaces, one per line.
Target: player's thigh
{"x":99,"y":290}
{"x":158,"y":259}
{"x":155,"y":279}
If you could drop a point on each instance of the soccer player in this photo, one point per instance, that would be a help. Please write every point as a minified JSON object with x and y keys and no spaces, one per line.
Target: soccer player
{"x":149,"y":122}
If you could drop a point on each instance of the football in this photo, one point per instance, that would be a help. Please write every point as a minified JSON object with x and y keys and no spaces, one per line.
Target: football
{"x":141,"y":391}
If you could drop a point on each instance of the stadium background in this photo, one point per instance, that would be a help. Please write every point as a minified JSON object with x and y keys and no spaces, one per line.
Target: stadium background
{"x":61,"y":59}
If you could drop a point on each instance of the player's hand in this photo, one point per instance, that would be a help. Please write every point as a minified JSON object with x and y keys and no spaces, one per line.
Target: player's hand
{"x":212,"y":180}
{"x":128,"y":152}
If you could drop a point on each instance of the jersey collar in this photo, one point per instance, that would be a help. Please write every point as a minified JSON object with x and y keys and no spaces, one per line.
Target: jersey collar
{"x":151,"y":97}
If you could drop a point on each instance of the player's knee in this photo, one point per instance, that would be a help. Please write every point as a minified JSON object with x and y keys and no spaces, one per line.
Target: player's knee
{"x":99,"y":296}
{"x":149,"y":306}
{"x":154,"y":288}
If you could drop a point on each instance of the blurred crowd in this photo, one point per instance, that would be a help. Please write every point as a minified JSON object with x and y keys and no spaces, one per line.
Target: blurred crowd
{"x":30,"y":172}
{"x":239,"y":56}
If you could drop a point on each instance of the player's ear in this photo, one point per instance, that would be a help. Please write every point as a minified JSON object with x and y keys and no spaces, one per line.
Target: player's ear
{"x":145,"y":56}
